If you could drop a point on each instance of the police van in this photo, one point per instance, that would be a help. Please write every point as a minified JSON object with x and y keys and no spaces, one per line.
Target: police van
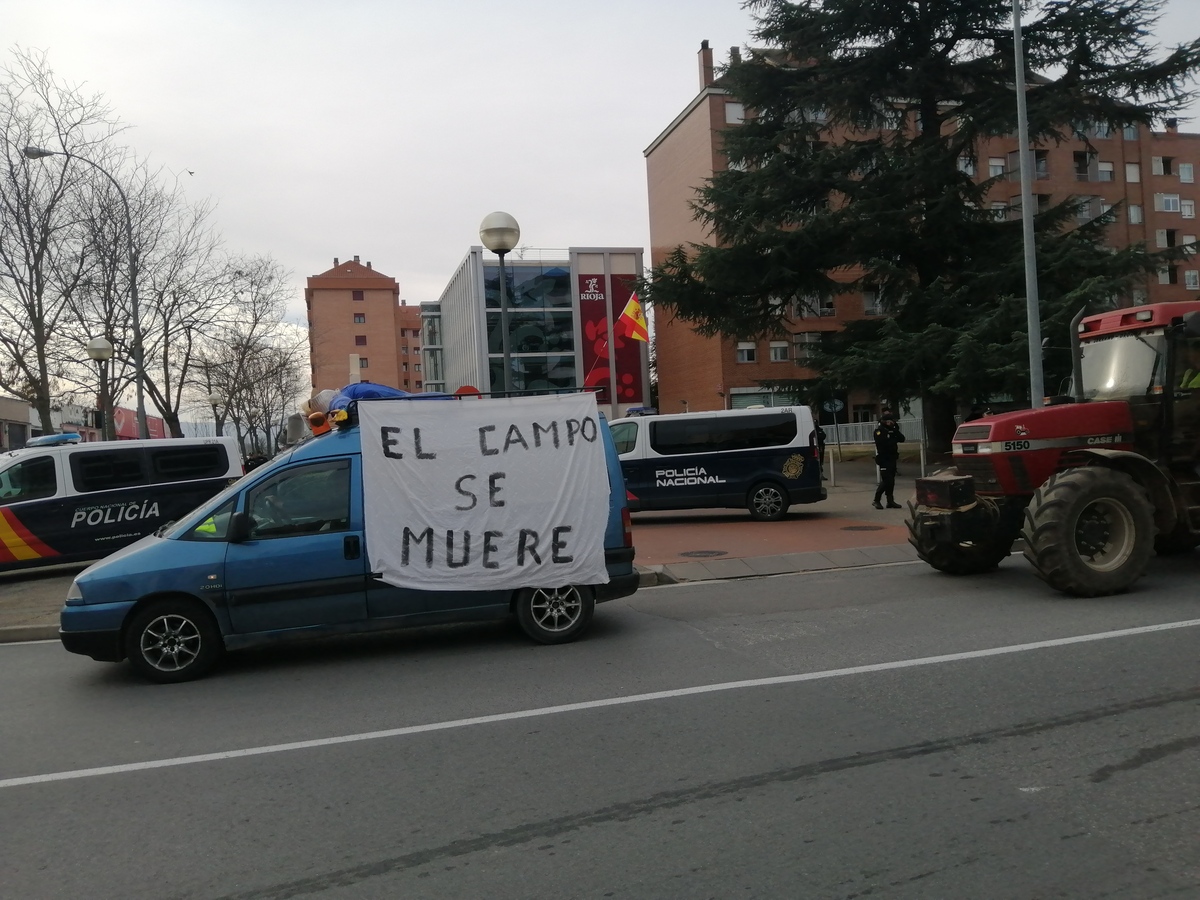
{"x":763,"y":460}
{"x":63,"y":500}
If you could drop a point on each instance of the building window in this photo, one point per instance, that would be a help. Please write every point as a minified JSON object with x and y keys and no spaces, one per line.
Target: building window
{"x":999,"y":210}
{"x":1133,"y":172}
{"x":1162,"y":165}
{"x":356,"y":295}
{"x":1105,"y":171}
{"x":779,"y":351}
{"x":1135,"y":214}
{"x":1168,"y":275}
{"x":404,"y":351}
{"x":1085,"y":211}
{"x":403,"y":367}
{"x":1164,"y":237}
{"x":966,"y":165}
{"x":418,"y":384}
{"x":804,"y":344}
{"x":1130,"y":132}
{"x":1082,"y":161}
{"x":995,"y":167}
{"x":1186,"y":173}
{"x":1167,"y":202}
{"x":871,"y":302}
{"x":360,"y":340}
{"x":735,"y":113}
{"x":827,"y":307}
{"x":746,"y":351}
{"x":360,"y":318}
{"x":1101,"y":129}
{"x":416,"y":367}
{"x":362,"y":362}
{"x":1187,"y":208}
{"x":1191,"y":280}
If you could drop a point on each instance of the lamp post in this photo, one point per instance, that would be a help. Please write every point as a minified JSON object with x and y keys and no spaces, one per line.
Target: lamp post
{"x":138,"y":363}
{"x":1033,"y":316}
{"x":100,"y":350}
{"x":215,"y":400}
{"x":500,"y":232}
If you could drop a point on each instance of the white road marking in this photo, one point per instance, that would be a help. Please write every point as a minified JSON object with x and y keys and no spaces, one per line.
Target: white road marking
{"x":588,"y":704}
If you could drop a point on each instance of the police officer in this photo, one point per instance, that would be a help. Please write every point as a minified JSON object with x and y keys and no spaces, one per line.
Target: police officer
{"x":888,"y":438}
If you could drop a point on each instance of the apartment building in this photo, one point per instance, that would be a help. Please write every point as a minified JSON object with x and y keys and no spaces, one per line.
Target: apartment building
{"x":360,"y":330}
{"x":1150,"y":173}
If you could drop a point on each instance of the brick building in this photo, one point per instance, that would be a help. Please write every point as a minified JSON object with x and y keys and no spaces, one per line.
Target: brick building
{"x":1152,"y":172}
{"x":360,"y":330}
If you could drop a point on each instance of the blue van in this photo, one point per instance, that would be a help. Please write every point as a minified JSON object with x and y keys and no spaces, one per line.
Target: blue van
{"x":760,"y":459}
{"x":282,"y":554}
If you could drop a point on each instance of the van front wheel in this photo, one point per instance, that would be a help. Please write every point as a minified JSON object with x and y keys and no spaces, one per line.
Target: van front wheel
{"x":555,"y":615}
{"x":172,"y":641}
{"x":767,"y":502}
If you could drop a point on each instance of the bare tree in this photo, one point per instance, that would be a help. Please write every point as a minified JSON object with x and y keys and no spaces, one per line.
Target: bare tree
{"x":42,"y":254}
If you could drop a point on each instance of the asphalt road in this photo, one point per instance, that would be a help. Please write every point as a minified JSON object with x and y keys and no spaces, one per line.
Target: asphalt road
{"x":729,"y":739}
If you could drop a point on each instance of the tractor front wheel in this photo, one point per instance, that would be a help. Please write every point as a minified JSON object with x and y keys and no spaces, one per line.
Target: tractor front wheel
{"x":1089,"y":531}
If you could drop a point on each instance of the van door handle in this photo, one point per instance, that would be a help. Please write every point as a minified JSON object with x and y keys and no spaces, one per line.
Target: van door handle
{"x":351,"y":546}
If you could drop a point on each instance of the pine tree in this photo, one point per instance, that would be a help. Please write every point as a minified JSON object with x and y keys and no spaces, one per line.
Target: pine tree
{"x":848,"y":173}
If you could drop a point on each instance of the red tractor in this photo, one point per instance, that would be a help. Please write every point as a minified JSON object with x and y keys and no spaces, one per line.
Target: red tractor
{"x":1094,"y":482}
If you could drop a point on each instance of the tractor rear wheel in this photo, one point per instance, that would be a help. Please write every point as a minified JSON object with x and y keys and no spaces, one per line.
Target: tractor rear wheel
{"x":1089,"y":531}
{"x":965,"y":557}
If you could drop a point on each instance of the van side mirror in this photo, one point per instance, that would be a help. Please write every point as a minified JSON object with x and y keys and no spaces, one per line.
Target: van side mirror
{"x":239,"y":527}
{"x":1191,"y":324}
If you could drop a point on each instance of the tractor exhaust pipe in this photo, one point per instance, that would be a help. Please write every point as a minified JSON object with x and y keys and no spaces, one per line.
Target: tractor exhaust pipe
{"x":1077,"y":357}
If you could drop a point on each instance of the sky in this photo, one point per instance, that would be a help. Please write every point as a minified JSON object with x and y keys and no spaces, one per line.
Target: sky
{"x":388,"y":129}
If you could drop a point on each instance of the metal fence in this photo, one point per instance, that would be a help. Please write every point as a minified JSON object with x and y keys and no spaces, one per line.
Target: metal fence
{"x":863,"y":432}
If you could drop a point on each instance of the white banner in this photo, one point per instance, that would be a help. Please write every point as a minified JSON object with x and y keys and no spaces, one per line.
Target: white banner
{"x":485,"y":494}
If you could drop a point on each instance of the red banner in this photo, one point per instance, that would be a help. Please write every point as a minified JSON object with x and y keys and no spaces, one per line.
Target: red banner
{"x":601,"y":350}
{"x":125,"y":425}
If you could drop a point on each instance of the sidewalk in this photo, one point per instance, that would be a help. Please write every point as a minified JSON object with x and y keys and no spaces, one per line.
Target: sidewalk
{"x":843,"y":531}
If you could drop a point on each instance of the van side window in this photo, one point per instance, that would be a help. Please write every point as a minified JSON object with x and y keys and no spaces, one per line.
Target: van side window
{"x":30,"y":479}
{"x":188,"y":463}
{"x":301,"y":500}
{"x":681,"y":436}
{"x":624,"y":435}
{"x":106,"y":470}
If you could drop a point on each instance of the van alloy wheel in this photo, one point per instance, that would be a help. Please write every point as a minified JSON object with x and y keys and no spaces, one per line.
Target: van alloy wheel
{"x":171,"y":643}
{"x":173,"y":640}
{"x":766,"y":502}
{"x":554,"y":615}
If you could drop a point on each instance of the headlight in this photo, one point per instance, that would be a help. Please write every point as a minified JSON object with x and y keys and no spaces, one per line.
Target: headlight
{"x":74,"y":593}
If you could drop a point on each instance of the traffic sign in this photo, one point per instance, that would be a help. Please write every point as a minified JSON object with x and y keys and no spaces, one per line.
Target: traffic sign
{"x":833,"y":406}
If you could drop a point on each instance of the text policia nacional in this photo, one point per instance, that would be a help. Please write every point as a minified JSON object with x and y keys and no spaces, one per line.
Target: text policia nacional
{"x":528,"y":545}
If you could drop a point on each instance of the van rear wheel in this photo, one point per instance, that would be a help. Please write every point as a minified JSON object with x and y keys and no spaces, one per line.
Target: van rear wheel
{"x":172,"y":641}
{"x":766,"y":502}
{"x":555,"y":615}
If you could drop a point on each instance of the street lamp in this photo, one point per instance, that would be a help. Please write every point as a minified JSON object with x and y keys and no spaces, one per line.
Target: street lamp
{"x":100,"y":350}
{"x":500,"y":232}
{"x":138,"y":365}
{"x":215,"y":400}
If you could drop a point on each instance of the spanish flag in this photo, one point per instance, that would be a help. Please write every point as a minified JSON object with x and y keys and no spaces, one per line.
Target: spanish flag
{"x":635,"y":322}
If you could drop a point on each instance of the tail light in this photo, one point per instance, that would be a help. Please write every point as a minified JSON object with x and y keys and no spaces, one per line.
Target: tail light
{"x":627,"y":524}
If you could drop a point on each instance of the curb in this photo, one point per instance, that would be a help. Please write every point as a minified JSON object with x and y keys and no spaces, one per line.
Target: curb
{"x":16,"y":633}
